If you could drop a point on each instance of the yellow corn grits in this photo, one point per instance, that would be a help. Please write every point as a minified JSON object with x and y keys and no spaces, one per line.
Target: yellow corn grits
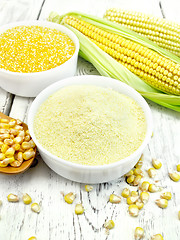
{"x":29,"y":49}
{"x":90,"y":125}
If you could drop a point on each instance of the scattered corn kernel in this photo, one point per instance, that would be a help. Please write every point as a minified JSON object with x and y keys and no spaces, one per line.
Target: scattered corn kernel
{"x":10,"y":152}
{"x":178,"y":167}
{"x":140,"y":204}
{"x":88,"y":188}
{"x":4,"y":148}
{"x":79,"y":209}
{"x":30,"y":153}
{"x":137,"y":180}
{"x":18,"y":140}
{"x":138,"y":171}
{"x":131,"y":199}
{"x":18,"y":160}
{"x":4,"y":125}
{"x":144,"y":186}
{"x":156,"y":163}
{"x":129,"y":173}
{"x":179,"y":215}
{"x":4,"y":136}
{"x":4,"y":120}
{"x":13,"y":131}
{"x":134,"y":194}
{"x":152,"y":172}
{"x":2,"y":156}
{"x":139,"y":165}
{"x":139,"y":233}
{"x":27,"y":138}
{"x":2,"y":164}
{"x":130,"y":179}
{"x":9,"y":142}
{"x":27,"y":132}
{"x":35,"y":207}
{"x":26,"y":199}
{"x":69,"y":198}
{"x":32,"y":143}
{"x":153,"y":188}
{"x":16,"y":146}
{"x":13,"y":198}
{"x":133,"y":210}
{"x":174,"y":176}
{"x":162,"y":203}
{"x":26,"y":145}
{"x":1,"y":143}
{"x":157,"y":237}
{"x":32,"y":238}
{"x":2,"y":131}
{"x":8,"y":160}
{"x":166,"y":195}
{"x":109,"y":224}
{"x":144,"y":196}
{"x":20,"y":130}
{"x":12,"y":123}
{"x":125,"y":193}
{"x":140,"y":162}
{"x":12,"y":137}
{"x":114,"y":198}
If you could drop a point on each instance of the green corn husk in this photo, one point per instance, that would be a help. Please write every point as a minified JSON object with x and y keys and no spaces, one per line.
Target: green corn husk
{"x":107,"y":66}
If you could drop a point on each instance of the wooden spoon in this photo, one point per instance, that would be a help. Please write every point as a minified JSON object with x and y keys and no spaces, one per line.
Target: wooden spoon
{"x":25,"y":165}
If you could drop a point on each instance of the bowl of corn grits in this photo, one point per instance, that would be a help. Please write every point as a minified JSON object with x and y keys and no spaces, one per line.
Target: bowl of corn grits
{"x":90,"y":129}
{"x":35,"y":54}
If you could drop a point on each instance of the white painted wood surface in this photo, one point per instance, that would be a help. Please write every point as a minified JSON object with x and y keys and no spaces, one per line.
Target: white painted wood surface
{"x":57,"y":219}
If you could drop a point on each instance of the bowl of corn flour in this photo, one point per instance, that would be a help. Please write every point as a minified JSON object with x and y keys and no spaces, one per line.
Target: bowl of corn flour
{"x":90,"y":128}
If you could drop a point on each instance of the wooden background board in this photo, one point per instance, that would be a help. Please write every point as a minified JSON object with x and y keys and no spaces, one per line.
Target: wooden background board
{"x":57,"y":219}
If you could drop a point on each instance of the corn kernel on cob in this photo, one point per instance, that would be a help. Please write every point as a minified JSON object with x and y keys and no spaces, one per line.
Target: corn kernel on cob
{"x":161,"y":31}
{"x":156,"y":70}
{"x":107,"y":34}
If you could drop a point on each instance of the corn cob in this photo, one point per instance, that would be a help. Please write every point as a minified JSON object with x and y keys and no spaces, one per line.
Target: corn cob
{"x":118,"y":49}
{"x":153,"y":68}
{"x":161,"y":31}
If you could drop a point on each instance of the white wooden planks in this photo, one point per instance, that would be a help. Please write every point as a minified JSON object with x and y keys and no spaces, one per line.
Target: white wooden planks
{"x":99,"y":7}
{"x":171,"y":10}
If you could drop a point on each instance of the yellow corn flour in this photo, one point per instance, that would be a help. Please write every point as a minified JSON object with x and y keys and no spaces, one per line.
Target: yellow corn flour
{"x":90,"y":125}
{"x":29,"y":49}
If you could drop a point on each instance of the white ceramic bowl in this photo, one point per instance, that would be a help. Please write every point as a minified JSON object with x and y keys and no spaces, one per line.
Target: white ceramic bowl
{"x":84,"y":173}
{"x":30,"y":84}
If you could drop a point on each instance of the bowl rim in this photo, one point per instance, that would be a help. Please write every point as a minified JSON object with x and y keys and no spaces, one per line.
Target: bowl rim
{"x":43,"y":95}
{"x":48,"y":24}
